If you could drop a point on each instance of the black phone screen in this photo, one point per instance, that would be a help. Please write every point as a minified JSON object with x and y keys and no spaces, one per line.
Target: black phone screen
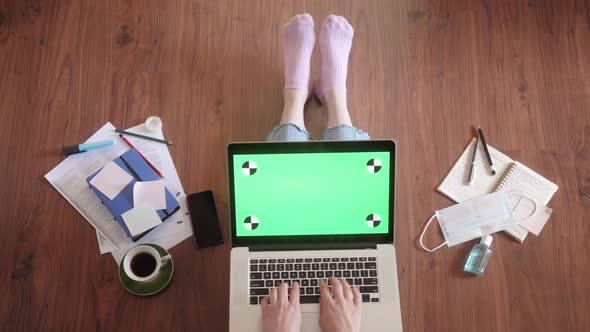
{"x":204,"y":218}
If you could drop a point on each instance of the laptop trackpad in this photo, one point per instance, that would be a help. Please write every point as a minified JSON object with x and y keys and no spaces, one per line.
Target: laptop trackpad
{"x":311,"y":322}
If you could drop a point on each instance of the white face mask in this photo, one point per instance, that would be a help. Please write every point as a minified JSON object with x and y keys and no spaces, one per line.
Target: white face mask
{"x":472,"y":219}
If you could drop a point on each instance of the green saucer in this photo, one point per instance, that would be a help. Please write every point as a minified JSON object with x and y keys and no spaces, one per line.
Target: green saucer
{"x":149,"y":287}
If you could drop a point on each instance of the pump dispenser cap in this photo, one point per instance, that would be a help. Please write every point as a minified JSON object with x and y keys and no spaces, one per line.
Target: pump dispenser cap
{"x":487,"y":240}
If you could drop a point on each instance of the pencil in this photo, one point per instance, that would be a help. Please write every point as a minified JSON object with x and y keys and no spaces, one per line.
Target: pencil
{"x":142,"y":156}
{"x":472,"y":172}
{"x":145,"y":137}
{"x":485,"y":148}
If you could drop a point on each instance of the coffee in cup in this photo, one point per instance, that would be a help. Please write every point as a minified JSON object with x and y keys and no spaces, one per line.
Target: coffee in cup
{"x":143,"y":263}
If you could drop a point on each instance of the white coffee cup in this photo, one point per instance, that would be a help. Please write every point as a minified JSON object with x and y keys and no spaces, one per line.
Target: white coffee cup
{"x":144,"y":250}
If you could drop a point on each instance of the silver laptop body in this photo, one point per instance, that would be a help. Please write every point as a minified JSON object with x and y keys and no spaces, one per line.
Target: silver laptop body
{"x":366,"y":260}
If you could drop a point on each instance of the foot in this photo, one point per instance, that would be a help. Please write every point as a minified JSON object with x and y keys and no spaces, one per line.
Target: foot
{"x":298,"y":43}
{"x":335,"y":42}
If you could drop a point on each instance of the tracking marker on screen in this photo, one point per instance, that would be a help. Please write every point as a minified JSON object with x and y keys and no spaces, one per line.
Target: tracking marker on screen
{"x":374,"y":165}
{"x":373,"y":220}
{"x":251,"y":223}
{"x":249,"y":168}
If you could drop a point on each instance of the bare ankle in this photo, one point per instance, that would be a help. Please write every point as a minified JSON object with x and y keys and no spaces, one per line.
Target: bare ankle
{"x":336,"y":103}
{"x":294,"y":104}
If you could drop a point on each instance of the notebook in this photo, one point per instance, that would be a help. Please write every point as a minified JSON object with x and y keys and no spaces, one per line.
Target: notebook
{"x":132,"y":163}
{"x":510,"y":176}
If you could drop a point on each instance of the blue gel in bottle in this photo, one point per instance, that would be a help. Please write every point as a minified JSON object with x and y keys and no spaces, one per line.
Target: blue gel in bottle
{"x":479,"y":257}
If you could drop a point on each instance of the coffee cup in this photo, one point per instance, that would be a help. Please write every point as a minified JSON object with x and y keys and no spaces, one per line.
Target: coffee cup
{"x":143,"y":263}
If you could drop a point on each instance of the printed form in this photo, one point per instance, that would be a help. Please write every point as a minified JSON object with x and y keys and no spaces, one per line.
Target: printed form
{"x":69,"y":178}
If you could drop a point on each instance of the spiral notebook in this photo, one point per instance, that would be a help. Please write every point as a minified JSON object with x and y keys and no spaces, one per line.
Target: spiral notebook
{"x":511,"y":176}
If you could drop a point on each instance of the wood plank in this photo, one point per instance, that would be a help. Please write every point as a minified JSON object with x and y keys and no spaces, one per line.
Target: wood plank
{"x":420,"y":72}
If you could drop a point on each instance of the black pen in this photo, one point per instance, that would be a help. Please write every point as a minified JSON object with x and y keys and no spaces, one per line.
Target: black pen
{"x":485,"y":147}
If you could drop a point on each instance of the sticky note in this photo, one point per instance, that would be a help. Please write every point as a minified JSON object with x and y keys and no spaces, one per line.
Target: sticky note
{"x":534,"y":222}
{"x":149,"y":192}
{"x":111,"y":180}
{"x":141,"y":219}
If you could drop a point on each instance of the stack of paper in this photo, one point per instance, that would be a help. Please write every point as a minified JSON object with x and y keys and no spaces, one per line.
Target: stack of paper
{"x":69,"y":178}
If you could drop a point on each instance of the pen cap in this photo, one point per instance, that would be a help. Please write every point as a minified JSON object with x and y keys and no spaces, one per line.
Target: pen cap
{"x":68,"y":150}
{"x":487,"y":240}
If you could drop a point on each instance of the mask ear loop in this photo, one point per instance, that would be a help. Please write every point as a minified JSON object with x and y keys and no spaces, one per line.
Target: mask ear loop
{"x":422,"y":236}
{"x":535,"y":207}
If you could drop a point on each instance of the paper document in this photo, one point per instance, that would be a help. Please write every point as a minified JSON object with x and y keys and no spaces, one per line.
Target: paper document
{"x":166,"y":242}
{"x":533,"y":221}
{"x":111,"y":180}
{"x":150,"y":192}
{"x":69,"y":179}
{"x":166,"y":235}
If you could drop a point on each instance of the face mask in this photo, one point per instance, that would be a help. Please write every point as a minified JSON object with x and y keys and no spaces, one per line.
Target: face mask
{"x":472,"y":219}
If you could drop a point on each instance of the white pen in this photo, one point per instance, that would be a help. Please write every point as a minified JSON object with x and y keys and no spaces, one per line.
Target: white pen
{"x":472,"y":173}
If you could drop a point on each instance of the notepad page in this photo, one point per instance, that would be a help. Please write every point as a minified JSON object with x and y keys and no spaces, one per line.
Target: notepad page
{"x":531,"y":184}
{"x":528,"y":181}
{"x":455,"y":184}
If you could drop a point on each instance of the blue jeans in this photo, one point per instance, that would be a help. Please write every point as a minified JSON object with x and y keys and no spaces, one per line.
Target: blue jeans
{"x":289,"y":132}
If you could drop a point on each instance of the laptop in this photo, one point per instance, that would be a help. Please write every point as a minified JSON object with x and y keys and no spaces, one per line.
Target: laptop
{"x":305,"y":211}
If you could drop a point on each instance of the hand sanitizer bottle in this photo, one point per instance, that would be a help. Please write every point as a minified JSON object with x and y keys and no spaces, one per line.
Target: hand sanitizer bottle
{"x":479,"y":257}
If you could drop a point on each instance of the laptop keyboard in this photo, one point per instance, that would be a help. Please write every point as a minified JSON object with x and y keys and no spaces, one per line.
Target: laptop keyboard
{"x":270,"y":273}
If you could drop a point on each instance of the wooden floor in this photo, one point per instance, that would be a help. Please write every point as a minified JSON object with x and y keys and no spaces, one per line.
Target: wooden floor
{"x":421,"y":72}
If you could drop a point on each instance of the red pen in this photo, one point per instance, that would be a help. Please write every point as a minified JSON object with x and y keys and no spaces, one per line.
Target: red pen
{"x":142,"y":156}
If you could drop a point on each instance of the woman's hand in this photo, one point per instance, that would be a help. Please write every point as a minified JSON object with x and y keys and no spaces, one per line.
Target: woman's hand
{"x":341,"y":312}
{"x":279,"y":314}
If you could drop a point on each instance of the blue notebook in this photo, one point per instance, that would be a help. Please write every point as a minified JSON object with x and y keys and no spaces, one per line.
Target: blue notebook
{"x":132,"y":163}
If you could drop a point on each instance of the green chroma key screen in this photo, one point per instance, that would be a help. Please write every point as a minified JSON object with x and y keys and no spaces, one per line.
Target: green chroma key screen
{"x":312,"y":193}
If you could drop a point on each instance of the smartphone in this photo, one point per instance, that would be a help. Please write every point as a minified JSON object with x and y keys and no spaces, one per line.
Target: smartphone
{"x":204,"y":218}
